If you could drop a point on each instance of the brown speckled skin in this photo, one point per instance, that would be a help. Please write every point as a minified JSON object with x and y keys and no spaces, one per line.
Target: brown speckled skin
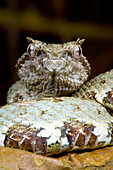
{"x":49,"y":70}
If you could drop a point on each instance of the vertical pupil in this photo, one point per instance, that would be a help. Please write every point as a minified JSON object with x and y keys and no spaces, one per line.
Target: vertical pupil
{"x":79,"y":51}
{"x":31,"y":50}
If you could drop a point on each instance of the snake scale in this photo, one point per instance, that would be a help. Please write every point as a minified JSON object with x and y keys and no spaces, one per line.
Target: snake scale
{"x":53,"y":108}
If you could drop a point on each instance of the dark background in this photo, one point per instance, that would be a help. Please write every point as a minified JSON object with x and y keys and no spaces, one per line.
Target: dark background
{"x":54,"y":21}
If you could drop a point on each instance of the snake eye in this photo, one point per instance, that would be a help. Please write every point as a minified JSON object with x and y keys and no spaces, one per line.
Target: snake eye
{"x":31,"y":50}
{"x":77,"y":51}
{"x":34,"y":51}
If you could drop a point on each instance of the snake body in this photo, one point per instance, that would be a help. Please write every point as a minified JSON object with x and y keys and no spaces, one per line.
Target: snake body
{"x":51,"y":126}
{"x":39,"y":119}
{"x":99,"y":88}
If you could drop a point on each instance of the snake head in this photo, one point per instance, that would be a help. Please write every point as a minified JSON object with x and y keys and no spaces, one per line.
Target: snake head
{"x":57,"y":69}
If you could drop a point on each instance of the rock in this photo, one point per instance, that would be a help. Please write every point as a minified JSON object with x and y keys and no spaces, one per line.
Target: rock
{"x":14,"y":159}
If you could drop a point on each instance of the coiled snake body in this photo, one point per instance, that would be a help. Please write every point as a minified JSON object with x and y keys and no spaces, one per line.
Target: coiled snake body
{"x":51,"y":107}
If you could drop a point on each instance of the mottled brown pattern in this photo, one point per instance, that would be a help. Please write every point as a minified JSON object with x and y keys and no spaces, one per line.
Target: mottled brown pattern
{"x":90,"y":95}
{"x":77,"y":138}
{"x":41,"y":145}
{"x":109,"y":97}
{"x":86,"y":130}
{"x":18,"y":97}
{"x":92,"y":140}
{"x":9,"y":142}
{"x":80,"y":140}
{"x":21,"y":136}
{"x":26,"y":145}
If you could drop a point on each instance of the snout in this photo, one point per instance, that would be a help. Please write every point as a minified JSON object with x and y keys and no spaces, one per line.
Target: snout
{"x":54,"y":65}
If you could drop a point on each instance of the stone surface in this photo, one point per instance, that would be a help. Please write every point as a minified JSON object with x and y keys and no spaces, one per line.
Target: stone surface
{"x":13,"y":159}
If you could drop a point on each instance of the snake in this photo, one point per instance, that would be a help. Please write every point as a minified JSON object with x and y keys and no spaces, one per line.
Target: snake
{"x":53,"y":107}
